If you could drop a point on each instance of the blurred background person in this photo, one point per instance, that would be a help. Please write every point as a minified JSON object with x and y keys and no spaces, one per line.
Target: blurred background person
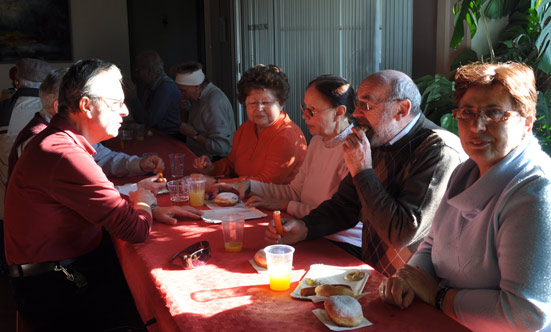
{"x":486,"y":261}
{"x":155,"y":101}
{"x":209,"y":122}
{"x":269,"y":147}
{"x":7,"y":93}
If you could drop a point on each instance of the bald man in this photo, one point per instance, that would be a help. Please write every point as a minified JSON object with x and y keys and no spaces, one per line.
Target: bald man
{"x":399,"y":168}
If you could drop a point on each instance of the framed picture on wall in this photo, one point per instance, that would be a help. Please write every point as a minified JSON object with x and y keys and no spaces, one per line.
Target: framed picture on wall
{"x":35,"y":29}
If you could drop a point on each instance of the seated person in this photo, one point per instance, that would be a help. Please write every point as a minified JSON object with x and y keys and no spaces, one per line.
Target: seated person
{"x":113,"y":163}
{"x":486,"y":260}
{"x":157,"y":100}
{"x":61,"y":264}
{"x":210,"y":123}
{"x":269,"y":147}
{"x":398,"y":169}
{"x":328,"y":106}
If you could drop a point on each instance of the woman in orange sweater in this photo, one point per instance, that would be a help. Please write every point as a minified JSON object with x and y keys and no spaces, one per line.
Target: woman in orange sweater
{"x":269,"y":147}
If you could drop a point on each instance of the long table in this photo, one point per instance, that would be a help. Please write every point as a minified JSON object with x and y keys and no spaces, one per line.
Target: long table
{"x":228,"y":294}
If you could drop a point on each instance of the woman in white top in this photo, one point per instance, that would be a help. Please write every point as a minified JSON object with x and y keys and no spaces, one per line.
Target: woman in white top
{"x":327,"y":110}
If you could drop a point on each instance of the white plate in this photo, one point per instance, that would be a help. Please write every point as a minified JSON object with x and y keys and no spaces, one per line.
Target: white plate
{"x":327,"y":274}
{"x":215,"y":216}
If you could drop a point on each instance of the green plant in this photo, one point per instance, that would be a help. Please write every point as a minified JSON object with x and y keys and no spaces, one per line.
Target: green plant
{"x":526,"y":38}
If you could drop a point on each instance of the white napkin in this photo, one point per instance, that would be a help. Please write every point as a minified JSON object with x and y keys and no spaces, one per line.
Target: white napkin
{"x":215,"y":216}
{"x":127,"y":188}
{"x":322,"y":316}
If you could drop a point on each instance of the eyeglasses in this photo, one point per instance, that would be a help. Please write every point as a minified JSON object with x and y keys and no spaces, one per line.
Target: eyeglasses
{"x":115,"y":106}
{"x":365,"y":106}
{"x":262,"y":104}
{"x":488,"y":115}
{"x":310,"y":113}
{"x":193,"y":256}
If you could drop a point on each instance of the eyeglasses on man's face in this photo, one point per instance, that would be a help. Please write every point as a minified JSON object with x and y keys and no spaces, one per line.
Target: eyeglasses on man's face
{"x":116,"y":105}
{"x":310,"y":112}
{"x":193,"y":256}
{"x":488,"y":115}
{"x":365,"y":106}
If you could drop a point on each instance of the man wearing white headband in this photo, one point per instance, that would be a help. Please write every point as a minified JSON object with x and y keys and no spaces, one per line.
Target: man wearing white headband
{"x":158,"y":100}
{"x":210,"y":123}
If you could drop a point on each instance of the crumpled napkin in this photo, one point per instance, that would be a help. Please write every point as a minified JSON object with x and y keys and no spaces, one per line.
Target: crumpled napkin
{"x":322,"y":316}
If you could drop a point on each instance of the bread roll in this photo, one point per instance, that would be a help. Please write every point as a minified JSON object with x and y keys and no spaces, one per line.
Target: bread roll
{"x":344,"y":310}
{"x":330,"y":290}
{"x":226,"y":199}
{"x":260,"y":258}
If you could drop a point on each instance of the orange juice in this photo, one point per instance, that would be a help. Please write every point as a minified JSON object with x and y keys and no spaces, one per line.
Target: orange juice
{"x":197,"y":198}
{"x":233,"y":246}
{"x":280,"y":280}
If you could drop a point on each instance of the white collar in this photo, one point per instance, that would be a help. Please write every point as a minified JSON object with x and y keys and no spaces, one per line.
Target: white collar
{"x":405,"y":130}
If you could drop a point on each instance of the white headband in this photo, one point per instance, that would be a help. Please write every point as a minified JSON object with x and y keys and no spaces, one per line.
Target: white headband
{"x":191,"y":79}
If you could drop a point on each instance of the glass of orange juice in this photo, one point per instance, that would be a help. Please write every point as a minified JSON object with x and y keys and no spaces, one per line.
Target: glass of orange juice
{"x":232,"y":227}
{"x":280,"y":262}
{"x":196,"y":185}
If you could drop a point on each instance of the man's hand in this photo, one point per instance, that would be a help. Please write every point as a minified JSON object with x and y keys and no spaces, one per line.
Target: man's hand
{"x":142,"y":196}
{"x":151,"y":164}
{"x":294,"y":231}
{"x":357,"y":152}
{"x":240,"y":188}
{"x":166,"y":214}
{"x":151,"y":185}
{"x":271,"y":204}
{"x":395,"y":290}
{"x":203,"y":165}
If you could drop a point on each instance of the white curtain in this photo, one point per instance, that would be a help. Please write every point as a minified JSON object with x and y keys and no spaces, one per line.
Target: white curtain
{"x":308,"y":38}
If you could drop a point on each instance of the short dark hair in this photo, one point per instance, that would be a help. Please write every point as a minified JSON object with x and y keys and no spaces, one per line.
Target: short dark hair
{"x":264,"y":77}
{"x":337,"y":90}
{"x":76,"y":82}
{"x":49,"y":89}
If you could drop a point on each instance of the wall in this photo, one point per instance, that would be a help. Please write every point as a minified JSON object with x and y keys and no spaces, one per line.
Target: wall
{"x":99,"y":29}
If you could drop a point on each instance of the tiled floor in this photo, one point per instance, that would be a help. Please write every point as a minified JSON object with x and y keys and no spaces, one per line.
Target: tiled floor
{"x":7,"y":306}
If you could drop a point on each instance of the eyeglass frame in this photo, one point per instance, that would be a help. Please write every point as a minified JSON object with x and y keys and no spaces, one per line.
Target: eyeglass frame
{"x":118,"y":102}
{"x":260,"y":104}
{"x":306,"y":110}
{"x":187,"y":255}
{"x":506,"y":115}
{"x":358,"y":102}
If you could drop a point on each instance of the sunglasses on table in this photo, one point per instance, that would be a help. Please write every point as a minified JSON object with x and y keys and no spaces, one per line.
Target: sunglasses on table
{"x":193,"y":256}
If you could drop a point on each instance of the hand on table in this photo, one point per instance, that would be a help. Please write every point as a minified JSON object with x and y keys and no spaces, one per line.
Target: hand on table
{"x":357,"y":152}
{"x":271,"y":204}
{"x":166,"y":214}
{"x":203,"y":165}
{"x":150,"y":184}
{"x":187,"y":130}
{"x":294,"y":231}
{"x":396,"y":290}
{"x":422,"y":283}
{"x":151,"y":164}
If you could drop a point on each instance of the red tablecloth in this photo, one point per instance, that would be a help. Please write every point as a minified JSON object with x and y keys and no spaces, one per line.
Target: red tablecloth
{"x":227,"y":294}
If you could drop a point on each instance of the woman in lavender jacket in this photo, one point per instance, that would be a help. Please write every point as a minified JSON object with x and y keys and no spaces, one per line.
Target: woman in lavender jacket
{"x":487,"y":259}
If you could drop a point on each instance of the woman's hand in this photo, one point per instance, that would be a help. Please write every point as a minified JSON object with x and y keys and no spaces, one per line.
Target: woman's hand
{"x":152,"y":164}
{"x":151,"y":185}
{"x":142,"y":196}
{"x":396,"y":290}
{"x":422,"y":283}
{"x":203,"y":165}
{"x":271,"y":204}
{"x":165,"y":214}
{"x":294,"y":231}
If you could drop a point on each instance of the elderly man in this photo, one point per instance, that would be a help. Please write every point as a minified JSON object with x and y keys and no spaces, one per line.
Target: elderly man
{"x":58,"y":201}
{"x":210,"y":124}
{"x":158,"y":100}
{"x":399,"y":170}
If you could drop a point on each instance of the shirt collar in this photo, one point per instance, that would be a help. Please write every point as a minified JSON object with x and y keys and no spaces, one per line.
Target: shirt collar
{"x":405,"y":130}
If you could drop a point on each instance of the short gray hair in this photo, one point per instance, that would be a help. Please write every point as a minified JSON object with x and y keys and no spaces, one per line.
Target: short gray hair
{"x":151,"y":61}
{"x":402,"y":87}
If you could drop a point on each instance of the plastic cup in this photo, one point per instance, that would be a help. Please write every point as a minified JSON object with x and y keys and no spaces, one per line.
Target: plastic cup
{"x":139,"y":131}
{"x":178,"y":190}
{"x":125,"y":136}
{"x":176,"y":164}
{"x":232,"y":227}
{"x":196,"y":185}
{"x":279,"y":258}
